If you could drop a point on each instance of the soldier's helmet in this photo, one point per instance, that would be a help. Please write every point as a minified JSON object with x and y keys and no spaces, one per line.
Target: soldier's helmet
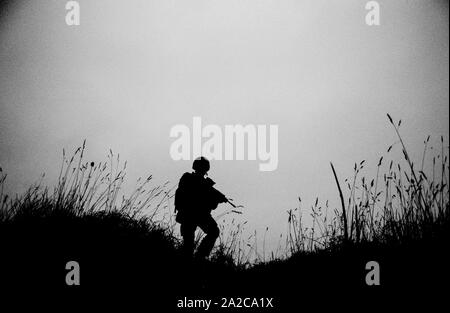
{"x":201,"y":165}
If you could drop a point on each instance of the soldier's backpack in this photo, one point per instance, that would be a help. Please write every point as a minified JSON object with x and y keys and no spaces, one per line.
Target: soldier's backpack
{"x":183,"y":197}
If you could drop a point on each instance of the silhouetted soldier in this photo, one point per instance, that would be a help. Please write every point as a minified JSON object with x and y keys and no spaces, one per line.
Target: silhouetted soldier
{"x":195,"y":198}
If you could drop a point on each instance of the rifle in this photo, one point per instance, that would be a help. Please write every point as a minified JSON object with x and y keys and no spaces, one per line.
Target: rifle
{"x":219,"y":195}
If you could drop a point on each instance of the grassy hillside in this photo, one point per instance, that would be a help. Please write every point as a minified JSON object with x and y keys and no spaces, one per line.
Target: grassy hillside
{"x":399,"y":218}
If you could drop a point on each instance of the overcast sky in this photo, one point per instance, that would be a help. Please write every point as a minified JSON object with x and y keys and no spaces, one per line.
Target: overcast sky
{"x":133,"y":69}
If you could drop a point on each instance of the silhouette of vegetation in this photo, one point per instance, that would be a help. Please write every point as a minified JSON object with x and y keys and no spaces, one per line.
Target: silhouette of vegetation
{"x":399,"y":218}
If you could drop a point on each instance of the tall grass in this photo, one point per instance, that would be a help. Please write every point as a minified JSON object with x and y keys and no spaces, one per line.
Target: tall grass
{"x":402,"y":205}
{"x":85,"y":187}
{"x":87,"y":205}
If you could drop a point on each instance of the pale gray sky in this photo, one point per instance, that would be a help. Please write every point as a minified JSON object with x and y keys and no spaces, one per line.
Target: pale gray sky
{"x":133,"y":69}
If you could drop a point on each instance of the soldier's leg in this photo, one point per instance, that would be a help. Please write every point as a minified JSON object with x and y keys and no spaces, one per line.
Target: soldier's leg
{"x":188,"y":232}
{"x":209,"y":226}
